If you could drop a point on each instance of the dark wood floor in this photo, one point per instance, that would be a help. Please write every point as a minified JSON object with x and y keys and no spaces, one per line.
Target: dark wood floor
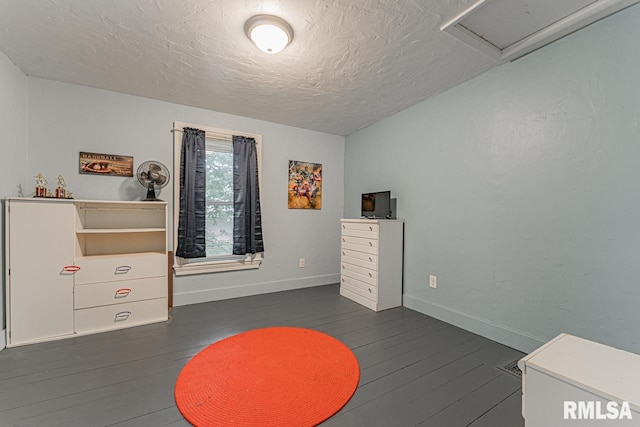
{"x":415,"y":370}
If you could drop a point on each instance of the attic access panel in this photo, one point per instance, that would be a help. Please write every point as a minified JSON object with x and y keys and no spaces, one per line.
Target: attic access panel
{"x":509,"y":29}
{"x":503,"y":23}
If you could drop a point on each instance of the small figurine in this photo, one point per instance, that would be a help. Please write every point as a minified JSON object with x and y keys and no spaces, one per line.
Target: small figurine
{"x":41,"y":185}
{"x":61,"y":189}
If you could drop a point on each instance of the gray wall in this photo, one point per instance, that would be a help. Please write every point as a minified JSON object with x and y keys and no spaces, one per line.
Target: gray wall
{"x":13,"y":126}
{"x":521,"y":192}
{"x":65,"y":119}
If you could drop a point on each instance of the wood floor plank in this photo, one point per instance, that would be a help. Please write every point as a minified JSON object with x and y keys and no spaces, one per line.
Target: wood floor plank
{"x":415,"y":401}
{"x":165,"y":416}
{"x":69,"y":393}
{"x":414,"y":368}
{"x":399,"y":344}
{"x":471,"y":406}
{"x":434,"y":371}
{"x":506,"y":413}
{"x":444,"y":350}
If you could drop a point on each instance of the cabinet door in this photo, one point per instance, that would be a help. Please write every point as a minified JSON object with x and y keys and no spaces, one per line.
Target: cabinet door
{"x":41,"y":243}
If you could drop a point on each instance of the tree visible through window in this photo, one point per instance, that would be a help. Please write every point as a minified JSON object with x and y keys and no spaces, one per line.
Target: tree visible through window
{"x":219,"y":203}
{"x":219,"y":212}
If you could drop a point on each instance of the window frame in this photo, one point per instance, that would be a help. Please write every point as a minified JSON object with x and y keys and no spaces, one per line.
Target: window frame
{"x":212,"y":264}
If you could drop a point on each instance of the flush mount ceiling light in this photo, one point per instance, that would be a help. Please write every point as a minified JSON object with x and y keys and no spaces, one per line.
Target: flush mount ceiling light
{"x":270,"y":33}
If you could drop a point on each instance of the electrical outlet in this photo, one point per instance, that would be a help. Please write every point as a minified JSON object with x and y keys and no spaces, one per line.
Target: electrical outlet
{"x":301,"y":263}
{"x":433,"y":281}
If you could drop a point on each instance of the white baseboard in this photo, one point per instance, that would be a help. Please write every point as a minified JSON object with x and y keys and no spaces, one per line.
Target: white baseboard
{"x":3,"y":339}
{"x":206,"y":295}
{"x":496,"y":332}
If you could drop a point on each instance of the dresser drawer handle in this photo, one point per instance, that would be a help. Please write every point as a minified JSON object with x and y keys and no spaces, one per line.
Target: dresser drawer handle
{"x":343,"y":239}
{"x":370,"y":243}
{"x":122,"y":292}
{"x":370,"y":259}
{"x":343,"y":253}
{"x":370,"y":228}
{"x":343,"y":266}
{"x":71,"y":268}
{"x":342,"y":280}
{"x":122,"y":316}
{"x":370,"y":290}
{"x":123,"y":269}
{"x":370,"y":275}
{"x":343,"y":226}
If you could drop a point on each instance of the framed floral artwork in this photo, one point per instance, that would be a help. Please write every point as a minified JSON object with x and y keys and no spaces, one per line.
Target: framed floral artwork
{"x":305,"y":185}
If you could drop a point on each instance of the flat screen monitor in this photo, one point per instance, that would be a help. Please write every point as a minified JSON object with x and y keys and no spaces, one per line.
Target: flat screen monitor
{"x":376,"y":205}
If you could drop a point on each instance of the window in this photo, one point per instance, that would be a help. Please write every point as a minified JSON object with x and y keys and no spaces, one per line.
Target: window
{"x":219,"y":217}
{"x":219,"y":205}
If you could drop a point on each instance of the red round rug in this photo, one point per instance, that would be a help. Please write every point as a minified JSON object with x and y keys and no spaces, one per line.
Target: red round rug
{"x":279,"y":376}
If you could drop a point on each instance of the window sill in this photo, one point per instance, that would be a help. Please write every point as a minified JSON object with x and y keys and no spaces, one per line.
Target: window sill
{"x":251,"y":262}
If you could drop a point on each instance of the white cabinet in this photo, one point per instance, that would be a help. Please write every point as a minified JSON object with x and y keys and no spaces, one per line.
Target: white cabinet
{"x":573,"y":380}
{"x":40,"y":244}
{"x":78,"y":267}
{"x":371,"y":262}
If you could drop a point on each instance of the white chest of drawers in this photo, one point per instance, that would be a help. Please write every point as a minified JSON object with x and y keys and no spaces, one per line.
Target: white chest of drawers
{"x":371,"y":262}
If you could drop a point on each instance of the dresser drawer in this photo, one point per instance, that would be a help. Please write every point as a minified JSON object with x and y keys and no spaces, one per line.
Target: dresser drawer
{"x":368,"y":292}
{"x":372,"y":243}
{"x":363,"y":256}
{"x":360,"y":273}
{"x":367,"y":261}
{"x":107,"y":293}
{"x":364,"y":234}
{"x":367,"y":234}
{"x":371,"y":250}
{"x":112,"y":268}
{"x":360,"y":226}
{"x":118,"y":316}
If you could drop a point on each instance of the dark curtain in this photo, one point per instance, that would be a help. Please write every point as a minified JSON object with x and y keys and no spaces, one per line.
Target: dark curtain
{"x":247,"y":221}
{"x":193,"y":174}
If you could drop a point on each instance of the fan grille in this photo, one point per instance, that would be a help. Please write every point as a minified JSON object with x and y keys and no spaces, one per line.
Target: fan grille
{"x":152,"y":172}
{"x":153,"y":176}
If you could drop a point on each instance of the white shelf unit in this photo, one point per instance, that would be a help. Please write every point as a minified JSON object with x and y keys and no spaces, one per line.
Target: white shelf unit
{"x":107,"y":228}
{"x":371,"y":262}
{"x":108,"y":267}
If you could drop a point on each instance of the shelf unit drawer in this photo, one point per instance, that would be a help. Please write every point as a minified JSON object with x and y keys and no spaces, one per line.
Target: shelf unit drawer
{"x":116,"y":268}
{"x":360,"y":288}
{"x":108,"y":293}
{"x":118,"y":316}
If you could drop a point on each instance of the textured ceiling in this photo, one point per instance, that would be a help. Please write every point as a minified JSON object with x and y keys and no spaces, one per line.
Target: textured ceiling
{"x":351,"y":62}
